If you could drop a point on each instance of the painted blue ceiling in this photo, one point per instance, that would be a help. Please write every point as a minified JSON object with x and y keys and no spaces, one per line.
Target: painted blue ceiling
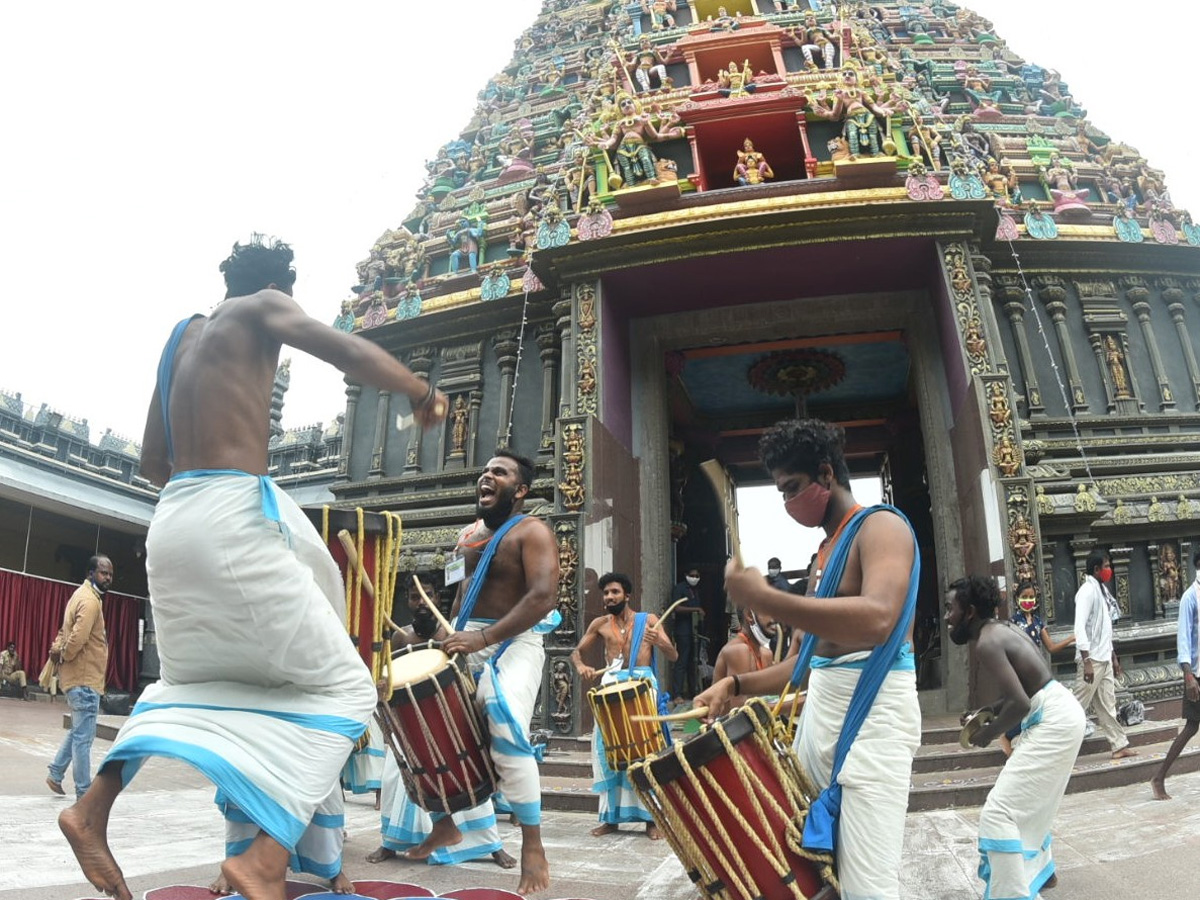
{"x":717,"y":385}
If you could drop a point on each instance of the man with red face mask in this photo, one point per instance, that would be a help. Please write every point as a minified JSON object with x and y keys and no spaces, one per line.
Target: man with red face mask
{"x":857,"y":618}
{"x":1095,"y":610}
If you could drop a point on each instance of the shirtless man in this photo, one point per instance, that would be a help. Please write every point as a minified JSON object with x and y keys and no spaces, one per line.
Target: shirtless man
{"x":500,"y":616}
{"x":247,"y":599}
{"x":747,"y":652}
{"x":629,"y":640}
{"x":876,"y":593}
{"x":1014,"y":824}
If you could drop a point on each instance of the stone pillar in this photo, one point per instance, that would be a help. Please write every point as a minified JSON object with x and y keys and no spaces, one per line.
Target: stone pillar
{"x":981,"y":264}
{"x":473,"y":404}
{"x":1049,"y":600}
{"x":1013,"y":293}
{"x":1053,"y":295}
{"x":1120,"y":580}
{"x":382,"y":409}
{"x":562,"y":309}
{"x":1081,"y":546}
{"x":1097,"y":343}
{"x":1155,"y":577}
{"x":506,"y":346}
{"x":1174,"y":298}
{"x":548,"y":350}
{"x":352,"y":394}
{"x":421,"y":363}
{"x":1138,"y":295}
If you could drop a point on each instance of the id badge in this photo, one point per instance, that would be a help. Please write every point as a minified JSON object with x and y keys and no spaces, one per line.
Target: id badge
{"x":456,"y":570}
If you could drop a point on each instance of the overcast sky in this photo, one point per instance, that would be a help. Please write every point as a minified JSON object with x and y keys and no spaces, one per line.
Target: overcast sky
{"x":143,"y":139}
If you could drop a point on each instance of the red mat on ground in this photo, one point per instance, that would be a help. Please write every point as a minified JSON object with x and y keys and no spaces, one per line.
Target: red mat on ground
{"x":481,"y":894}
{"x":390,"y":890}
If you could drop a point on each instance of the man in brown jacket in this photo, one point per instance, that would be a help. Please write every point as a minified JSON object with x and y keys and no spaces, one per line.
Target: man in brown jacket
{"x":81,"y":652}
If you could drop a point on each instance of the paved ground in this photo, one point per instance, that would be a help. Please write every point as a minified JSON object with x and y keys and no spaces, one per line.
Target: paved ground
{"x":1110,"y":844}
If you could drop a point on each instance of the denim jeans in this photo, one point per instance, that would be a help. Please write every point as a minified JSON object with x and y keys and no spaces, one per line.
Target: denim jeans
{"x":76,"y":748}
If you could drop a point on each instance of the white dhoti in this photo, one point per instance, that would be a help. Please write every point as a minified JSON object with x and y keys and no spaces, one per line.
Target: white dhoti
{"x":1014,"y":824}
{"x":875,"y":777}
{"x":363,"y":771}
{"x":404,"y":824}
{"x":319,"y":849}
{"x":261,"y":689}
{"x":507,"y":693}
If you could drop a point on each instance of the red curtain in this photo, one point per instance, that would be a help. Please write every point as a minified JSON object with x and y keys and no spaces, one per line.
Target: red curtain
{"x":31,"y":613}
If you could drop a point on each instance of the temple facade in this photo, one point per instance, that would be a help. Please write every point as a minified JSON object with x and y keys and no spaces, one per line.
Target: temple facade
{"x":671,"y":224}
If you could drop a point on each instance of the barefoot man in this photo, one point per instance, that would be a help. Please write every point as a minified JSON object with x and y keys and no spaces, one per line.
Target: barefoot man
{"x":630,"y":640}
{"x":403,"y":824}
{"x":858,"y":623}
{"x":1188,"y":643}
{"x":1014,"y":825}
{"x":504,"y":607}
{"x":261,"y":689}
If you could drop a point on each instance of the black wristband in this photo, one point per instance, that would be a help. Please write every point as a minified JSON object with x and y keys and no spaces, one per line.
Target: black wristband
{"x":737,"y":685}
{"x":424,"y":401}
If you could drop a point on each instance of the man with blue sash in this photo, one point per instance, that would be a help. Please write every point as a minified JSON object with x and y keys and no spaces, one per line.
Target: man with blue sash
{"x":631,"y":641}
{"x":1015,"y":857}
{"x":261,"y":689}
{"x":505,"y":606}
{"x":861,"y":724}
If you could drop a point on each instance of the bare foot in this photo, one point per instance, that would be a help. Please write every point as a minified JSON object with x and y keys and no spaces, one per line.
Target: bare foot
{"x":380,"y":853}
{"x":1124,"y":753}
{"x":502,"y":859}
{"x":220,"y":885}
{"x":652,"y":832}
{"x":601,"y":830}
{"x":258,"y":874}
{"x":445,"y":834}
{"x":1158,"y":785}
{"x":535,"y":871}
{"x":340,"y":884}
{"x":89,"y":841}
{"x":1051,"y":882}
{"x":377,"y":797}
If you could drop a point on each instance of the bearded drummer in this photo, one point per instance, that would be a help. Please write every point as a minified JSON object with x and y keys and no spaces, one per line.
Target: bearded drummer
{"x":858,"y":622}
{"x":403,"y":825}
{"x":506,"y":565}
{"x":630,"y":641}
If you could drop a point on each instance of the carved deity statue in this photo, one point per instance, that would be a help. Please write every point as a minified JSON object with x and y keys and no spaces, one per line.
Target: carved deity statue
{"x":752,"y":166}
{"x":659,"y":12}
{"x":630,"y":136}
{"x":458,"y":427}
{"x":813,"y":38}
{"x":856,"y":107}
{"x":1116,"y":368}
{"x":1168,"y":573}
{"x":734,"y":82}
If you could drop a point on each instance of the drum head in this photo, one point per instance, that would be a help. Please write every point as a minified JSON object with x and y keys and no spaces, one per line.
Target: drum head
{"x":416,"y":665}
{"x":619,"y":690}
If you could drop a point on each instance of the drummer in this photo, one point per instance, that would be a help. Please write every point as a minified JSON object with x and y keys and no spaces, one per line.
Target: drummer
{"x":629,"y":640}
{"x":425,"y":626}
{"x":1014,"y":824}
{"x":861,"y":623}
{"x":748,"y":651}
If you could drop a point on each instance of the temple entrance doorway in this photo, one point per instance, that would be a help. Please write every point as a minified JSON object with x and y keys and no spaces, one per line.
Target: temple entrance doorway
{"x":714,"y":392}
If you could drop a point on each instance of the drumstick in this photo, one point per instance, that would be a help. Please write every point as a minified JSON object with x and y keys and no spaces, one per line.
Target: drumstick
{"x":355,"y":563}
{"x":663,"y":617}
{"x":698,"y":712}
{"x":724,"y":489}
{"x":437,"y":613}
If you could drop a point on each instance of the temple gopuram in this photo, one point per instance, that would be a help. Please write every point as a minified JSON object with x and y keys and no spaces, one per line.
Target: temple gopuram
{"x":670,"y":224}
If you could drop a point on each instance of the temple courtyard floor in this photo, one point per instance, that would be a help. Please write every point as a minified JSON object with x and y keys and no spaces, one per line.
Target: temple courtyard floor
{"x":1116,"y":843}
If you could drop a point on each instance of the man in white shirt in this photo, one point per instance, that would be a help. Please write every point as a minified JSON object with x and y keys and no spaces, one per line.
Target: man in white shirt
{"x":1096,"y":678}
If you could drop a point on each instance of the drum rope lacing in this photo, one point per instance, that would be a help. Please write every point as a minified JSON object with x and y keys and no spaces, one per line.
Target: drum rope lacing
{"x":798,"y":789}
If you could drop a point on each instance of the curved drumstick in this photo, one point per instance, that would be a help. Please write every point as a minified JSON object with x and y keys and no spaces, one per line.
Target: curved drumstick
{"x":663,"y":617}
{"x":437,"y":613}
{"x":698,"y":712}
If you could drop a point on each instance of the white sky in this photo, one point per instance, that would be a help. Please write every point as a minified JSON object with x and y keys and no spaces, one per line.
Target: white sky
{"x":144,"y":138}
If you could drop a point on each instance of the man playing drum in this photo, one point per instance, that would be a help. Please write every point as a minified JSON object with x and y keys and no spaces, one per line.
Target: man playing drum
{"x":505,"y":605}
{"x":629,"y":640}
{"x":261,"y":689}
{"x":403,"y":824}
{"x":858,"y":623}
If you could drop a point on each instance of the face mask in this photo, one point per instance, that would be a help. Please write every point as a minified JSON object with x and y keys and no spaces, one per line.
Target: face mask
{"x":773,"y":572}
{"x":1029,"y":604}
{"x":615,"y":609}
{"x":693,"y":580}
{"x":1106,"y":574}
{"x":759,"y":634}
{"x":808,"y":507}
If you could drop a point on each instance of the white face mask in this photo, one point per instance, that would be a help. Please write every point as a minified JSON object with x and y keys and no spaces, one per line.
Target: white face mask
{"x":773,"y":572}
{"x":693,"y":580}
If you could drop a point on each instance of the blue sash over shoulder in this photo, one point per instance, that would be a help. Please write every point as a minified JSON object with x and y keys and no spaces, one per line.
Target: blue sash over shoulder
{"x":820,"y":827}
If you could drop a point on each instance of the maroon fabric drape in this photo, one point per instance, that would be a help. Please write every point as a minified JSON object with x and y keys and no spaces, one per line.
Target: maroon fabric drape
{"x":31,"y":613}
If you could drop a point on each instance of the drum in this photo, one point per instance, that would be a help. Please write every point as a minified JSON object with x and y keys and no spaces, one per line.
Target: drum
{"x":731,"y":802}
{"x":435,"y":732}
{"x":366,"y":547}
{"x":625,"y":740}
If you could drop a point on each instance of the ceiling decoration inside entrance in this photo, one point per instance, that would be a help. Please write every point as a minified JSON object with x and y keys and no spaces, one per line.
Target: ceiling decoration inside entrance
{"x":748,"y":382}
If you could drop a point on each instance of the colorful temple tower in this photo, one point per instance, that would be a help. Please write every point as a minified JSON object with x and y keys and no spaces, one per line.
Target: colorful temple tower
{"x":671,"y":223}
